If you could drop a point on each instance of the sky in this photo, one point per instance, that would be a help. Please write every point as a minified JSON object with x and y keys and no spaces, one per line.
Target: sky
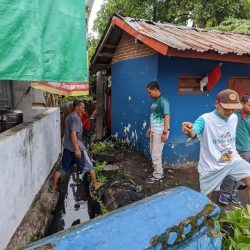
{"x":96,"y":6}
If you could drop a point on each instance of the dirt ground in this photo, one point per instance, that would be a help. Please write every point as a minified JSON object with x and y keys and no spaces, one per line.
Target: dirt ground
{"x":139,"y":168}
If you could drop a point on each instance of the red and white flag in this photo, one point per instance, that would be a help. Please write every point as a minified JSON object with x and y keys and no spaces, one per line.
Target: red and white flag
{"x":211,"y":78}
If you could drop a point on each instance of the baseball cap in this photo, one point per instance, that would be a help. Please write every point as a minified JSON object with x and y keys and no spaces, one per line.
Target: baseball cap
{"x":229,"y":99}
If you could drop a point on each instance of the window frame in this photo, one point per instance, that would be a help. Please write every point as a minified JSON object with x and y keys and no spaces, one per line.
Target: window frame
{"x":195,"y":84}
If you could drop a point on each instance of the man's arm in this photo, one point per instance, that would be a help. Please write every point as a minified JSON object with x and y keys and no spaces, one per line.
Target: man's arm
{"x":166,"y":122}
{"x":165,"y":133}
{"x":75,"y":144}
{"x":192,"y":130}
{"x":187,"y":129}
{"x":148,"y":132}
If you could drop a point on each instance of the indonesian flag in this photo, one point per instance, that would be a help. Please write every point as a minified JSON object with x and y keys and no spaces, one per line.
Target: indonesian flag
{"x":211,"y":79}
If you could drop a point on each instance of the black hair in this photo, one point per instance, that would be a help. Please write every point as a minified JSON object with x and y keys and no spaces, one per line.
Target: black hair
{"x":153,"y":85}
{"x":245,"y":98}
{"x":77,"y":103}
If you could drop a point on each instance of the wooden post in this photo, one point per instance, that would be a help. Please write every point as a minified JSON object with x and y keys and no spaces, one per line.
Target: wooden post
{"x":100,"y":104}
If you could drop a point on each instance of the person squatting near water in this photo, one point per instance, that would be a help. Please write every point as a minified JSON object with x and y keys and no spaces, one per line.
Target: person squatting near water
{"x":217,"y":134}
{"x":74,"y":149}
{"x":229,"y":186}
{"x":159,"y":129}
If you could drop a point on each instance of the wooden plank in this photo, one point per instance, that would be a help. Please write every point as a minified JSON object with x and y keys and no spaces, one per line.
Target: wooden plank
{"x":103,"y":54}
{"x":110,"y":46}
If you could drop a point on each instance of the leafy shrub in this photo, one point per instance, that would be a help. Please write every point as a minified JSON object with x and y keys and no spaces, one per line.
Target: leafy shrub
{"x":100,"y":147}
{"x":235,"y":227}
{"x":99,"y":168}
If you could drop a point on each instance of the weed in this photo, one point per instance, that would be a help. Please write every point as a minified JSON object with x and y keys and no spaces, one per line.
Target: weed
{"x":33,"y":238}
{"x":100,"y":147}
{"x":99,"y":168}
{"x":235,"y":228}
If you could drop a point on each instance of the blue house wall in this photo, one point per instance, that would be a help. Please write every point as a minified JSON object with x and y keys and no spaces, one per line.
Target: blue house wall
{"x":131,"y":104}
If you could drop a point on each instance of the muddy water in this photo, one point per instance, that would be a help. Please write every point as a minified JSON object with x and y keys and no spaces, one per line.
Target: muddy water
{"x":75,"y":204}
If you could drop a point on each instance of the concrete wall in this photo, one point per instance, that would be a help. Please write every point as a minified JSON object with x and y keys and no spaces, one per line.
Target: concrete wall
{"x":131,"y":104}
{"x":27,"y":155}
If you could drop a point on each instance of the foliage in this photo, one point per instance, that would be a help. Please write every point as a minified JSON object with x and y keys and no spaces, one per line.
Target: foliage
{"x":235,"y":226}
{"x":100,"y":147}
{"x":92,"y":45}
{"x":33,"y":238}
{"x":85,"y":98}
{"x":235,"y":25}
{"x":211,"y":13}
{"x":99,"y":168}
{"x":103,"y":208}
{"x":202,"y":13}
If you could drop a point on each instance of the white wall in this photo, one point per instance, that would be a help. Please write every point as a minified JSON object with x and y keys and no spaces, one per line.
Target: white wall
{"x":27,"y":155}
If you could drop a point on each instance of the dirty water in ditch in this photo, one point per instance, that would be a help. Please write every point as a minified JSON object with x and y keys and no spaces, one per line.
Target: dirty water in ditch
{"x":75,"y":204}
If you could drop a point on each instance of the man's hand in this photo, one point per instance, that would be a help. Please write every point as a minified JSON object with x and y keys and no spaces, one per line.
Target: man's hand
{"x":187,"y":127}
{"x":148,"y":133}
{"x":78,"y":153}
{"x":164,"y":137}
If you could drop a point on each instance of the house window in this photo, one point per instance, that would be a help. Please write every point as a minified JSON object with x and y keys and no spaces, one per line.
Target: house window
{"x":240,"y":84}
{"x":190,"y":85}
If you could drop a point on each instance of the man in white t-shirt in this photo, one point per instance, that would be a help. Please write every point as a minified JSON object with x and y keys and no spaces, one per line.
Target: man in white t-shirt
{"x":217,"y":134}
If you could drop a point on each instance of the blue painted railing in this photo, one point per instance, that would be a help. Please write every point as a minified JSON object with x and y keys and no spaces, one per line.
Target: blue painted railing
{"x":173,"y":219}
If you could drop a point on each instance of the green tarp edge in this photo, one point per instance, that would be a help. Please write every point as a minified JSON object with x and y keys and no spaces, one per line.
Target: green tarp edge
{"x":43,"y":40}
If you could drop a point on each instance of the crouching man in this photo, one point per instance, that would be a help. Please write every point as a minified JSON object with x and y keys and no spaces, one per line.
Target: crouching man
{"x":217,"y":134}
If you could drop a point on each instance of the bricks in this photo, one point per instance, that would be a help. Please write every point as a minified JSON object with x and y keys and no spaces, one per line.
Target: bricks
{"x":128,"y":49}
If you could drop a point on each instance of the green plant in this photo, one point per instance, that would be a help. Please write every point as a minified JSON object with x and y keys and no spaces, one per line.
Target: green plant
{"x":235,"y":228}
{"x":99,"y":168}
{"x":100,"y":147}
{"x":85,"y":98}
{"x":103,"y":208}
{"x":33,"y":238}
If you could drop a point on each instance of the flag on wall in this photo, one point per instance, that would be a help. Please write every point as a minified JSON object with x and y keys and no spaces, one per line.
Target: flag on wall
{"x":211,"y":78}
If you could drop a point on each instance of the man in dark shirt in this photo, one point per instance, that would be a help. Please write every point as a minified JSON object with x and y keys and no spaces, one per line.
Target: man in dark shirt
{"x":74,"y":149}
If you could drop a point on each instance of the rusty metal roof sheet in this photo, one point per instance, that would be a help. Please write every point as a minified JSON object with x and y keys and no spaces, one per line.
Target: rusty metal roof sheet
{"x":185,"y":38}
{"x":169,"y":39}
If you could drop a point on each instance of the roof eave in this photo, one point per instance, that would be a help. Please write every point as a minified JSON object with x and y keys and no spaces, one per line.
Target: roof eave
{"x":209,"y":55}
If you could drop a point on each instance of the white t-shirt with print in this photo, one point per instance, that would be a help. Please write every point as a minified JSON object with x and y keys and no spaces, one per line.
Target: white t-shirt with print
{"x":218,"y":139}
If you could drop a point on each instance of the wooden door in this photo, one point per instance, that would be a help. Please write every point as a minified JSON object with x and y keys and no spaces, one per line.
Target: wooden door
{"x":240,"y":84}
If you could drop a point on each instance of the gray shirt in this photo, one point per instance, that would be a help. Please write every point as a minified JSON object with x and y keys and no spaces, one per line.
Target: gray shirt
{"x":73,"y":123}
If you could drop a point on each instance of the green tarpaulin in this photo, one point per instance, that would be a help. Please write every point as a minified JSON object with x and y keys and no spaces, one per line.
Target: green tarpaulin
{"x":43,"y":40}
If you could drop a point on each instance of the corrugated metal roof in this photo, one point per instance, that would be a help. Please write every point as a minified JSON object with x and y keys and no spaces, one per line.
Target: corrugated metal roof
{"x":171,"y":40}
{"x":185,"y":38}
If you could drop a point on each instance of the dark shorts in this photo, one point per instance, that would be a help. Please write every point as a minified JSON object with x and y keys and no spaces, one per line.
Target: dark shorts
{"x":69,"y":158}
